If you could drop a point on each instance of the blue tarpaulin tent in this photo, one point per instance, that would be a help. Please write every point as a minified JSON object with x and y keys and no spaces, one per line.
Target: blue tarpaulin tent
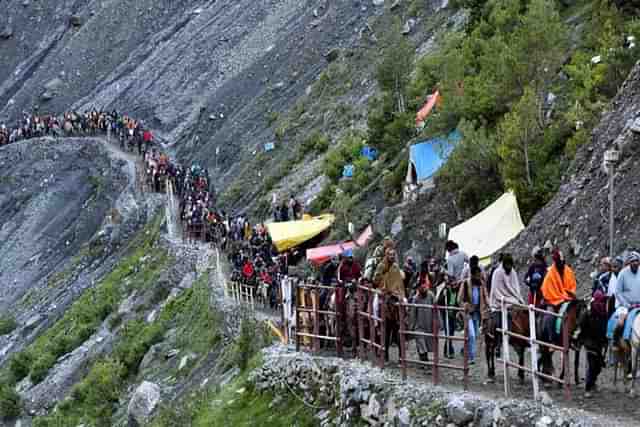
{"x":347,"y":172}
{"x":369,"y":152}
{"x":425,"y":158}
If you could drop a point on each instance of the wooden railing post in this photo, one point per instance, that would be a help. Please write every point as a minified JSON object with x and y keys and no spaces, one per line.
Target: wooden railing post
{"x":361,"y":307}
{"x":316,"y":320}
{"x":403,"y":342}
{"x":297,"y":317}
{"x":383,"y":347}
{"x":372,"y":326}
{"x":436,"y":343}
{"x":534,"y":351}
{"x":466,"y":349}
{"x":565,"y":357}
{"x":505,"y":345}
{"x":340,"y":295}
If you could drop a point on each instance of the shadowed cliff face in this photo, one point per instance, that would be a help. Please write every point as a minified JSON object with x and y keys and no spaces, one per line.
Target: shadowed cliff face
{"x":576,"y":219}
{"x":53,"y":198}
{"x":202,"y":74}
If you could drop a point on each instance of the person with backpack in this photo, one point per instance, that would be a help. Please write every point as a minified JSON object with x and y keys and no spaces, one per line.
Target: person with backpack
{"x":535,"y":277}
{"x":474,"y":298}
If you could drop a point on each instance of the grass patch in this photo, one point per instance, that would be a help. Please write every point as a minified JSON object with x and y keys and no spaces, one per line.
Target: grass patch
{"x":10,"y":405}
{"x":237,"y":404}
{"x":7,"y":324}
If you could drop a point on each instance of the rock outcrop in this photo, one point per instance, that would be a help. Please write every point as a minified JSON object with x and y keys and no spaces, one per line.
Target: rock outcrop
{"x":143,"y":402}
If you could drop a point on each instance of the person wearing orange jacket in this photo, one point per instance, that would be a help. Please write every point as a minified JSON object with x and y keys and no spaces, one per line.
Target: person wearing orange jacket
{"x":559,"y":284}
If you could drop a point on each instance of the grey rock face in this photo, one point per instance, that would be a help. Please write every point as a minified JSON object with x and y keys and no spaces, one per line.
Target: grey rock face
{"x":143,"y":402}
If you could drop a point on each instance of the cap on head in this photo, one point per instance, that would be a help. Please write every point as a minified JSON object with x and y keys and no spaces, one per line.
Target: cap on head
{"x":633,"y":256}
{"x":348,"y":253}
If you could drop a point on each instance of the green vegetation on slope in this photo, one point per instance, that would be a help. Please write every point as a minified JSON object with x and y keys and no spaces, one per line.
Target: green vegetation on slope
{"x":238,"y":404}
{"x":138,"y":270}
{"x":7,"y":324}
{"x":521,"y":87}
{"x":94,"y":400}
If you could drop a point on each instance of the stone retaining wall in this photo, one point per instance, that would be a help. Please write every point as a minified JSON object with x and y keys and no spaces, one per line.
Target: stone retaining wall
{"x":348,"y":392}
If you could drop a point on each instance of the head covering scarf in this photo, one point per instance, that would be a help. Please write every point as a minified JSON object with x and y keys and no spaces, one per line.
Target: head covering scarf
{"x":633,"y":256}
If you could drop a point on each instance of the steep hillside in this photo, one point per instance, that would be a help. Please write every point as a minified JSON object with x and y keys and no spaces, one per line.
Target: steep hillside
{"x":576,"y":219}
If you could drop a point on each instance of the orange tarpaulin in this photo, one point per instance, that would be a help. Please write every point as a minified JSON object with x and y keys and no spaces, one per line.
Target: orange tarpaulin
{"x":322,"y":254}
{"x":424,"y":112}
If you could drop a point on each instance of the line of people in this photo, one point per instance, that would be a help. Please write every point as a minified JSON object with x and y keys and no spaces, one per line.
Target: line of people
{"x":130,"y":132}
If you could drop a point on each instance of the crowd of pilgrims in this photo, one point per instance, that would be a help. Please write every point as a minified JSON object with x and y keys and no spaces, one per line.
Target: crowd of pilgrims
{"x":130,"y":132}
{"x":458,"y":281}
{"x":461,"y":281}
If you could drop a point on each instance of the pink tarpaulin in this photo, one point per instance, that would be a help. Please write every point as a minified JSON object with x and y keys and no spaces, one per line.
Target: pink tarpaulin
{"x":424,"y":112}
{"x":323,"y":254}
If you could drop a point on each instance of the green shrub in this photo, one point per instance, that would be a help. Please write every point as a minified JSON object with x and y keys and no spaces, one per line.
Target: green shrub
{"x":19,"y":365}
{"x":137,"y":338}
{"x":344,"y":153}
{"x":7,"y":324}
{"x":10,"y":405}
{"x":41,"y":366}
{"x":392,"y":181}
{"x":99,"y":392}
{"x":84,"y":317}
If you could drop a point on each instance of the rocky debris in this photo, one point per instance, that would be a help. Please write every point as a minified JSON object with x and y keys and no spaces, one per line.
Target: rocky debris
{"x":361,"y":394}
{"x":6,"y":33}
{"x":144,"y":401}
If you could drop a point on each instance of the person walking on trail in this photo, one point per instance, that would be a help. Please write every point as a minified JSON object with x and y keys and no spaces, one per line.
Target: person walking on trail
{"x":534,"y":278}
{"x":593,"y":337}
{"x":409,"y":268}
{"x":390,"y":279}
{"x":473,"y":297}
{"x":421,"y":320}
{"x":447,"y":295}
{"x":456,"y":260}
{"x":602,"y":277}
{"x":559,"y":285}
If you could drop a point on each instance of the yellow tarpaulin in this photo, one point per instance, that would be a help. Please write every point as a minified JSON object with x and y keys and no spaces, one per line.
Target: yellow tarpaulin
{"x":490,"y":230}
{"x":286,"y":235}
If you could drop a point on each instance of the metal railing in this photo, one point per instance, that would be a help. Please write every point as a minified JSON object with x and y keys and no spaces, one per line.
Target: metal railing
{"x":366,"y":314}
{"x":534,"y":344}
{"x":435,"y":336}
{"x":309,"y":318}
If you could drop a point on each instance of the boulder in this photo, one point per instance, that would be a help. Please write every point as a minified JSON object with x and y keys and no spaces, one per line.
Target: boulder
{"x":332,"y":55}
{"x":458,"y":413}
{"x":378,"y":2}
{"x":75,"y":21}
{"x":143,"y":402}
{"x":404,"y":417}
{"x":54,"y":84}
{"x":544,"y":421}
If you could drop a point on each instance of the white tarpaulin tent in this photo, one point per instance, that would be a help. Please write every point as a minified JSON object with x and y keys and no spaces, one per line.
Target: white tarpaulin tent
{"x":490,"y":230}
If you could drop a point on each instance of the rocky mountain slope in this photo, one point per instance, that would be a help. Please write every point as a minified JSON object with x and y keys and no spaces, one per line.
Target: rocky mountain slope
{"x":576,"y":219}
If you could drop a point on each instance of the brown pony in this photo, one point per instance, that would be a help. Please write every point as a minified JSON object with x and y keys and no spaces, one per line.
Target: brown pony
{"x":520,"y":325}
